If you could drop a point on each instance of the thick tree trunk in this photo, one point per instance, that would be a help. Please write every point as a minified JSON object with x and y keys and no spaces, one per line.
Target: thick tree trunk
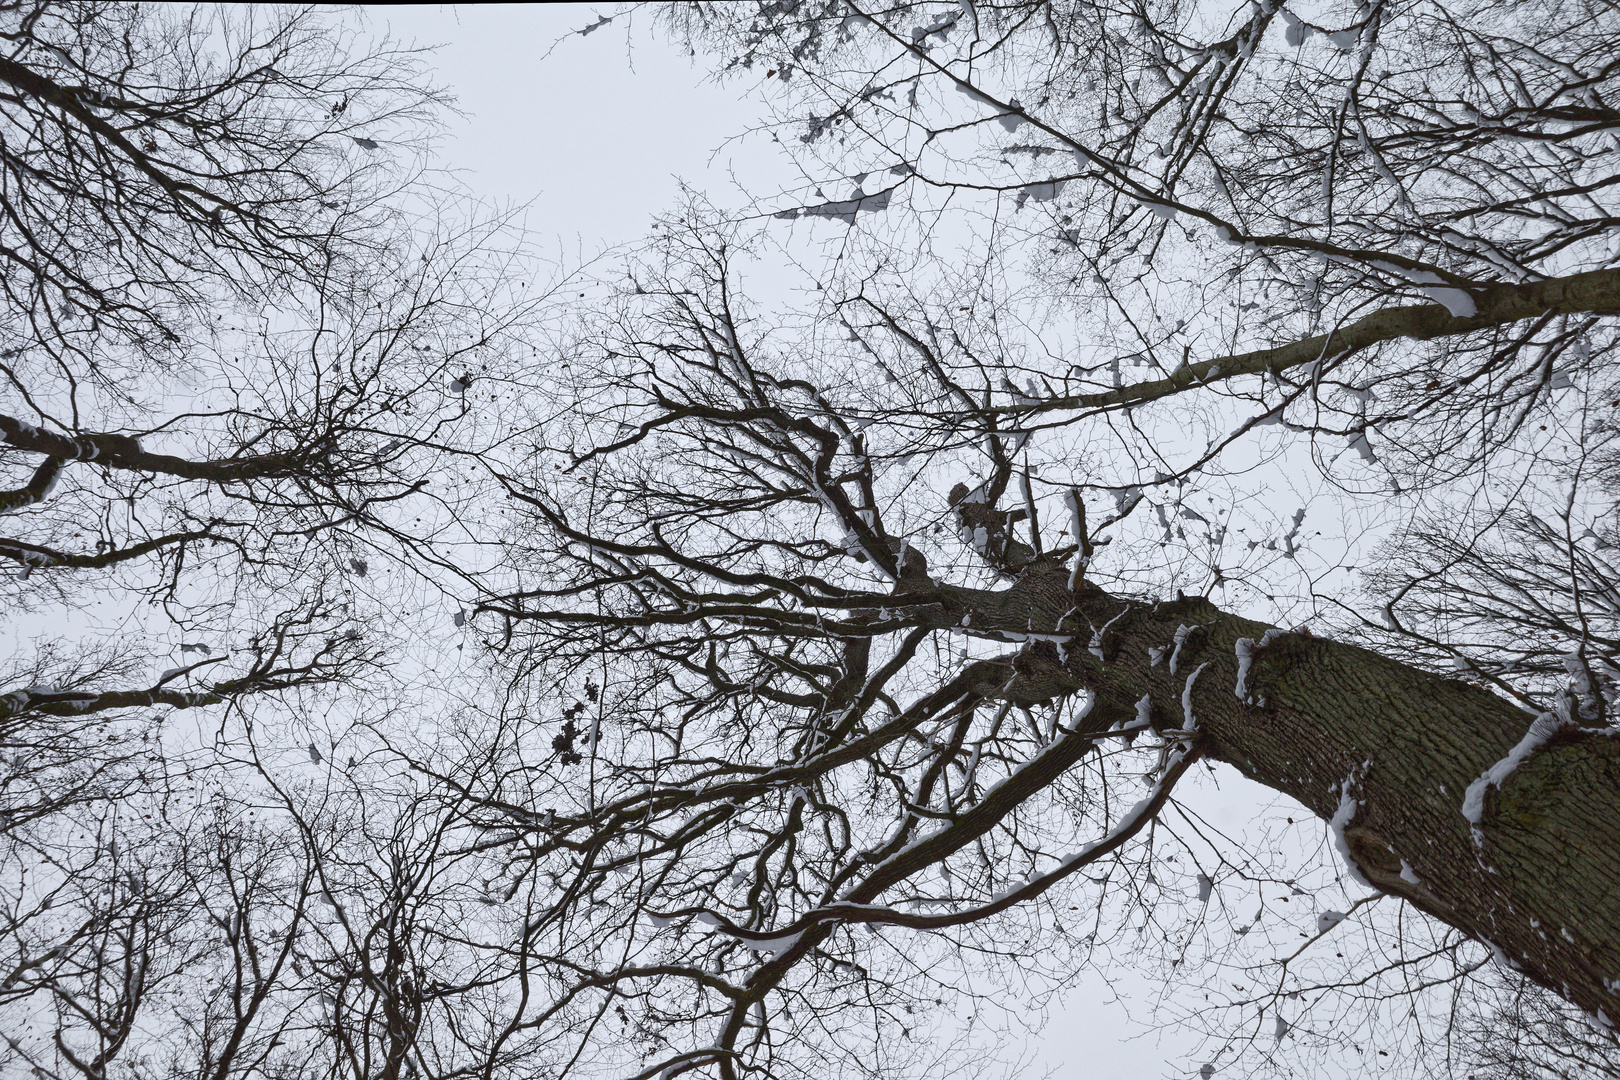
{"x":1382,"y":750}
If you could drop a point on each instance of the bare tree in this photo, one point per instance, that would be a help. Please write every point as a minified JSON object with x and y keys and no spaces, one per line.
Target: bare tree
{"x":1051,"y":198}
{"x":837,"y":667}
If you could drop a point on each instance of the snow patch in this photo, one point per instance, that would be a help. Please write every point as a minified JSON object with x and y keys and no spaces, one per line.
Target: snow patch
{"x":1341,"y":817}
{"x":1190,"y":722}
{"x":1182,"y":633}
{"x":1245,"y":658}
{"x":1359,"y":443}
{"x":1544,"y":727}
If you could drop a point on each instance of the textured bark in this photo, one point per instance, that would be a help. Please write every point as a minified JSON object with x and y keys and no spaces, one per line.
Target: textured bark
{"x":1540,"y":877}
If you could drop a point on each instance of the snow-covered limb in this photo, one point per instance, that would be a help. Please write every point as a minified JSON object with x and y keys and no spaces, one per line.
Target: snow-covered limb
{"x":669,"y":1068}
{"x":1061,"y":641}
{"x":1029,"y":508}
{"x":1079,"y":714}
{"x":1077,"y":530}
{"x":1496,"y":305}
{"x":1455,"y":300}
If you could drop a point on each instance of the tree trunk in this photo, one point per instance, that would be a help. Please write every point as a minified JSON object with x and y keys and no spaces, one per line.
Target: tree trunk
{"x":1383,"y":750}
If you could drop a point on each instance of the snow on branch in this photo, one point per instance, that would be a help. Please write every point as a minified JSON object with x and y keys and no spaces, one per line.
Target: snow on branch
{"x":1542,"y":728}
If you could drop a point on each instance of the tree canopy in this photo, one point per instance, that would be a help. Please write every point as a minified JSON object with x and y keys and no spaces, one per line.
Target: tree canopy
{"x":850,"y":587}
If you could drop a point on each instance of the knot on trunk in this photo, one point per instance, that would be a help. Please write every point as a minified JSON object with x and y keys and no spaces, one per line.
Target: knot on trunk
{"x":1040,"y":676}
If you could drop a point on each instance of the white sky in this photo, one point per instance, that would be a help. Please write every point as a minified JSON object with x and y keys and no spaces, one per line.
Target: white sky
{"x":596,"y":137}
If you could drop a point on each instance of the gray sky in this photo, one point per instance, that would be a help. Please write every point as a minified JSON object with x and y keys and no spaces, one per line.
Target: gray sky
{"x":596,"y":133}
{"x":595,"y":136}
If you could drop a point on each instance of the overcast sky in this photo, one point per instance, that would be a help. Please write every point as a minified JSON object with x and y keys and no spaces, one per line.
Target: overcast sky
{"x":596,"y":133}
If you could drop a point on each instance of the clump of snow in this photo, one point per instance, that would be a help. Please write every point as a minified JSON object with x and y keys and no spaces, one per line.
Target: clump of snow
{"x":1164,"y":523}
{"x":1454,"y":300}
{"x":971,"y":94}
{"x":1345,"y":40}
{"x":1159,"y":210}
{"x":1327,"y":920}
{"x":1295,"y":32}
{"x":1042,"y":192}
{"x":1457,"y":302}
{"x":844,"y":210}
